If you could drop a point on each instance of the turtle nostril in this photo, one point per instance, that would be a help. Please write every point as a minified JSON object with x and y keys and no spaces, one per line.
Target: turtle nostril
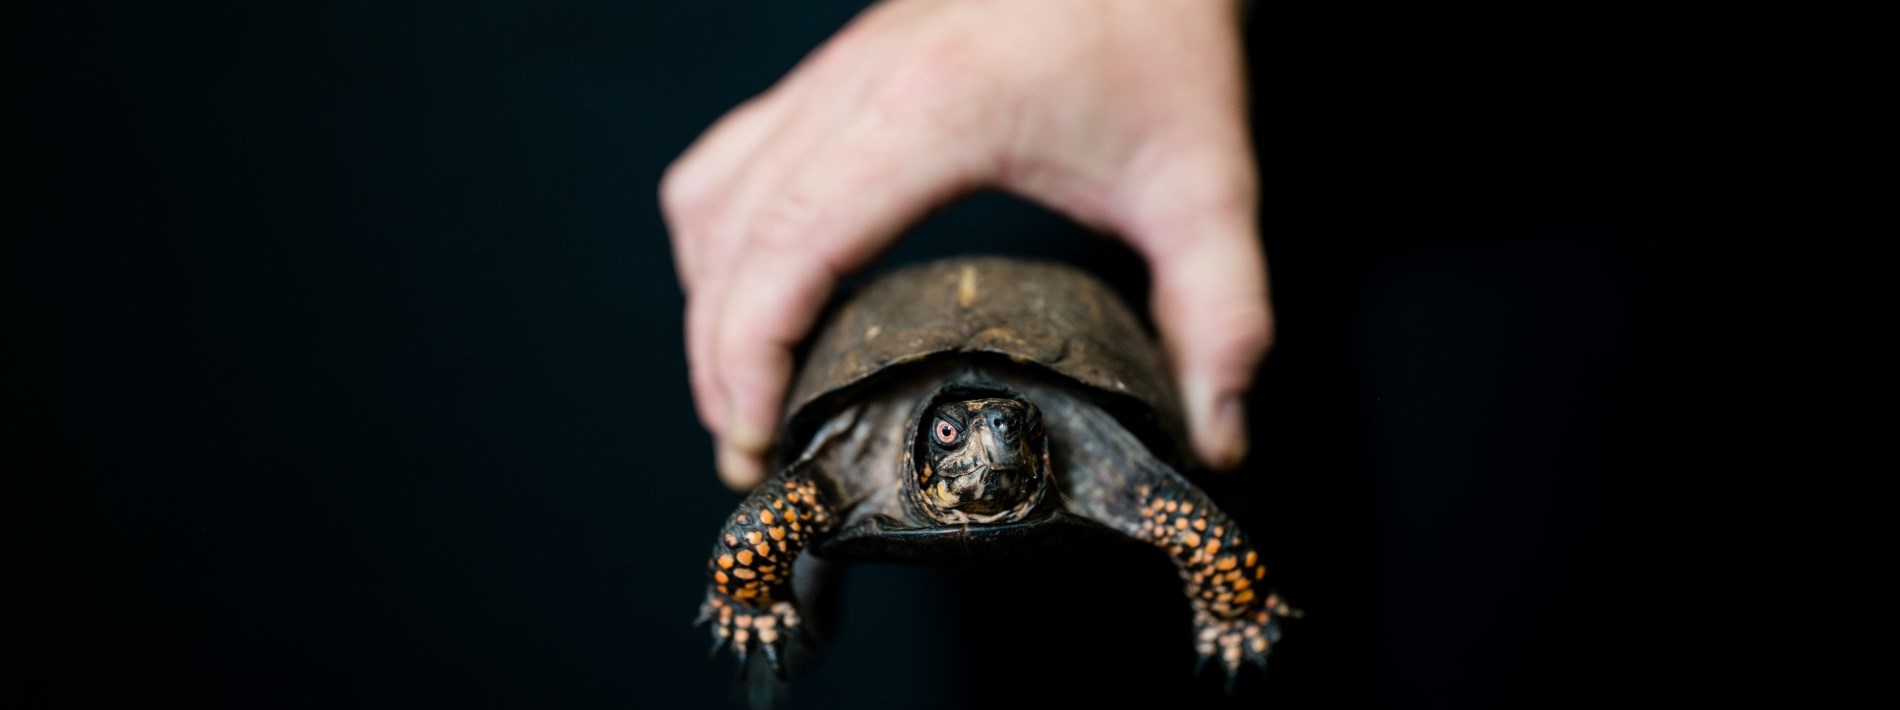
{"x":999,"y":422}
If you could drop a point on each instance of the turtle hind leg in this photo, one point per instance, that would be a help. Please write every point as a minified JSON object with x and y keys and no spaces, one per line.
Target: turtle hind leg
{"x":749,"y":601}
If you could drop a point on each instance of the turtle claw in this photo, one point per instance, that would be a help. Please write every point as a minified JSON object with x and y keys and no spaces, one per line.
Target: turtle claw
{"x":745,"y":627}
{"x":771,"y":659}
{"x":1244,"y":639}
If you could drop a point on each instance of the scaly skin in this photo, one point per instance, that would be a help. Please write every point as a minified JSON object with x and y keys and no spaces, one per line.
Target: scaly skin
{"x":1235,"y":620}
{"x":750,"y":598}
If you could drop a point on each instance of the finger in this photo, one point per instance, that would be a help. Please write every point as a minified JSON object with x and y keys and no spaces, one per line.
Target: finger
{"x":715,"y":191}
{"x":701,"y":182}
{"x":711,"y":192}
{"x":1210,"y":298}
{"x":692,"y":194}
{"x":697,"y":183}
{"x":709,"y":401}
{"x":816,"y":108}
{"x":806,"y":109}
{"x":770,"y":304}
{"x":738,"y":470}
{"x":801,"y":128}
{"x":834,"y":214}
{"x":797,"y":135}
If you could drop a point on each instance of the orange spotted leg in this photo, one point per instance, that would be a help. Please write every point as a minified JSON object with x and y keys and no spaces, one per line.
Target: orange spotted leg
{"x":1236,"y":620}
{"x":750,"y":599}
{"x":1114,"y":479}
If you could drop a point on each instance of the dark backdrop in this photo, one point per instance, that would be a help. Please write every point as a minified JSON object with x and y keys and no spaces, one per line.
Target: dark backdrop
{"x":348,"y":365}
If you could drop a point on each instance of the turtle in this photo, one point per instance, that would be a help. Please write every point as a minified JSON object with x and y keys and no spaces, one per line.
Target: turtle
{"x":968,"y":408}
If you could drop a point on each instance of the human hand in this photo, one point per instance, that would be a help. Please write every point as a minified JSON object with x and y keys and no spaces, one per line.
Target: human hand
{"x":1126,"y":115}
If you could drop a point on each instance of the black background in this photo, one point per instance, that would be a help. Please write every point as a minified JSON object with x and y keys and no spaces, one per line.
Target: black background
{"x":349,"y":371}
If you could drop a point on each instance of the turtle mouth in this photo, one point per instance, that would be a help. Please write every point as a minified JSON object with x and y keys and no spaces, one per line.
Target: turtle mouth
{"x":985,"y":492}
{"x":984,"y":507}
{"x":981,"y":490}
{"x":984,"y":470}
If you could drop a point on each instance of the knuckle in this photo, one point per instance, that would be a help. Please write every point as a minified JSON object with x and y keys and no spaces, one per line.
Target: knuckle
{"x":745,"y":359}
{"x":843,"y":50}
{"x":730,"y":351}
{"x":1254,"y":336}
{"x":1227,"y":337}
{"x":1200,"y":186}
{"x":935,"y":87}
{"x":787,"y":222}
{"x":1231,"y":188}
{"x":1245,"y":334}
{"x":797,"y":228}
{"x":682,"y":194}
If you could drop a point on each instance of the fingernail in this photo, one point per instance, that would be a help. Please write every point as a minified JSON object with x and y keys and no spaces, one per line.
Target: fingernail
{"x":739,"y":470}
{"x":742,"y":435}
{"x":1227,"y":432}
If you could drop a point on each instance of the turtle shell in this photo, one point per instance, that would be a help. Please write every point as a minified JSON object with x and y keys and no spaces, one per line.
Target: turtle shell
{"x":1045,"y":314}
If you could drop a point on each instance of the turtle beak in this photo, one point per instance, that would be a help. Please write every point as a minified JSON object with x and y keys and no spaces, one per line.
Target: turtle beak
{"x":1000,"y":433}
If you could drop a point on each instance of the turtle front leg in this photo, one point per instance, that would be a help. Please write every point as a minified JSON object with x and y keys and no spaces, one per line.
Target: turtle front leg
{"x":750,"y":598}
{"x":1114,"y":479}
{"x":1235,"y":619}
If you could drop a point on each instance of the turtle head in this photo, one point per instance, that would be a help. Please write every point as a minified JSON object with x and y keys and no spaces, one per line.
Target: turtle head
{"x":981,"y":460}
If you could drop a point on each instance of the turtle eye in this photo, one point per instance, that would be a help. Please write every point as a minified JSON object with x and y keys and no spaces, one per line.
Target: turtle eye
{"x":946,"y":432}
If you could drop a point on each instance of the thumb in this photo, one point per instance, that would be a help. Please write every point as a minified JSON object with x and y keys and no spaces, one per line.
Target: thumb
{"x":1210,"y":302}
